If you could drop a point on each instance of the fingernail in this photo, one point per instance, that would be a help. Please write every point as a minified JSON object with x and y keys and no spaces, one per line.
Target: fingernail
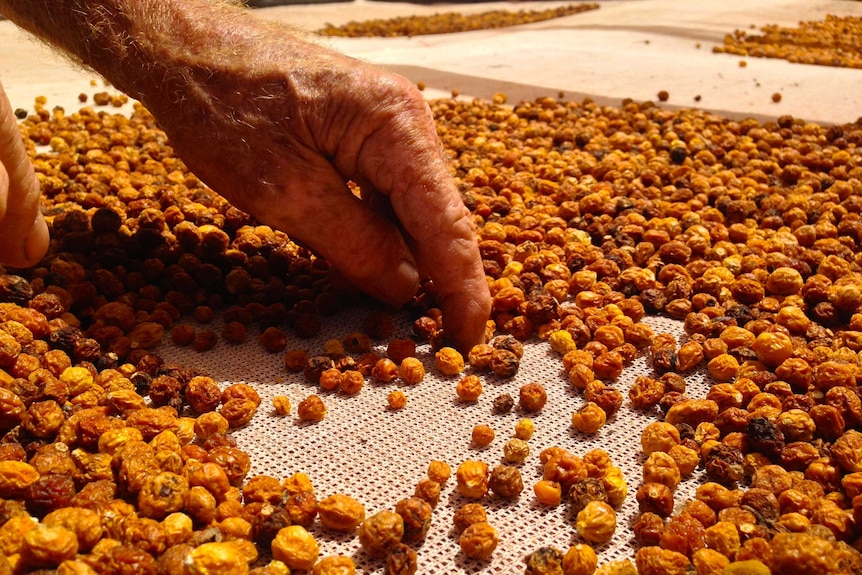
{"x":402,"y":284}
{"x":36,"y":243}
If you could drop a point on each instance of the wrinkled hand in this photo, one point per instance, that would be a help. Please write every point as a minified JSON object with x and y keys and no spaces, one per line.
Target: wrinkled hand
{"x":23,"y":232}
{"x":280,"y":135}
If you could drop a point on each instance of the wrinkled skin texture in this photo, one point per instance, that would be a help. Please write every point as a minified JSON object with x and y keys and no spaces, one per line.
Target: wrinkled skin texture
{"x":278,"y":126}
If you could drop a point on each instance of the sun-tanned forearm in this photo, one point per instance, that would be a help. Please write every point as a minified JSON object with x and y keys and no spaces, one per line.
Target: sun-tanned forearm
{"x":151,"y":49}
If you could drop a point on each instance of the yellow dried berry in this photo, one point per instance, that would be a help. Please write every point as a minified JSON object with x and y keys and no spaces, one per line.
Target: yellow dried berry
{"x":396,"y":400}
{"x":515,"y":451}
{"x":524,"y":429}
{"x":449,"y":361}
{"x":472,"y":479}
{"x":295,"y":547}
{"x":596,"y":522}
{"x":281,"y":403}
{"x":561,"y":342}
{"x":216,"y":558}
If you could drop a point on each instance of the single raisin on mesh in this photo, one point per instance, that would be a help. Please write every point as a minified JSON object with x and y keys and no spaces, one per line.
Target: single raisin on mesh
{"x":503,"y":403}
{"x":315,"y":366}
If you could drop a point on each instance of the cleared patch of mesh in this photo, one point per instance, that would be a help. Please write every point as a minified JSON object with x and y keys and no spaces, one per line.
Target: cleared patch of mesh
{"x":377,"y":456}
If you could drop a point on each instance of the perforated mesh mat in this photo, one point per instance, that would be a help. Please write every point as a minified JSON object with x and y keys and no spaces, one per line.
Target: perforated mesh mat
{"x":377,"y":456}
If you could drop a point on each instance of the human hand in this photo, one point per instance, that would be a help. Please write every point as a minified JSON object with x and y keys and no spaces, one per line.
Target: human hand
{"x":23,"y":231}
{"x":279,"y":130}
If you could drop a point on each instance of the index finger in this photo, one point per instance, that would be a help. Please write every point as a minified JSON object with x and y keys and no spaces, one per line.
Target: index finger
{"x":440,"y":228}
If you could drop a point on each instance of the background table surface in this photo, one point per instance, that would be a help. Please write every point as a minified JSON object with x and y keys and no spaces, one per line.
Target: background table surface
{"x":627,"y":48}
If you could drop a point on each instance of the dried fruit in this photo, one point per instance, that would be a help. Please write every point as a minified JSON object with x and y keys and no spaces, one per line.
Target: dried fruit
{"x":544,"y":561}
{"x":295,"y":547}
{"x":340,"y":512}
{"x":532,"y":397}
{"x":479,"y":540}
{"x":596,"y":522}
{"x":472,"y":478}
{"x":380,"y":532}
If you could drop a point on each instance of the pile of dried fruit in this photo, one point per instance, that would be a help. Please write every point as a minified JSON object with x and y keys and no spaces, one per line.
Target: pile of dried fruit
{"x":449,"y":22}
{"x":835,"y":41}
{"x":589,"y":218}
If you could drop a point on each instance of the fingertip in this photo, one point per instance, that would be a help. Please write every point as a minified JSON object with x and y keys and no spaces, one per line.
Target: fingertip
{"x":36,"y":243}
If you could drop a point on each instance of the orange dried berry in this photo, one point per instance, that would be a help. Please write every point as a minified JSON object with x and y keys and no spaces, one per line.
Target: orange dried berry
{"x":532,"y":397}
{"x":547,"y":492}
{"x":351,"y":382}
{"x":439,"y":471}
{"x":659,"y":436}
{"x":596,"y":522}
{"x":589,"y":418}
{"x":340,"y":512}
{"x":428,"y":490}
{"x":479,"y":540}
{"x":480,"y":356}
{"x":723,"y":367}
{"x":273,"y":339}
{"x":311,"y":408}
{"x":385,"y":370}
{"x":398,"y":349}
{"x":467,"y":515}
{"x":295,"y":360}
{"x":469,"y":388}
{"x":482,"y":435}
{"x":356,"y":342}
{"x":411,"y":370}
{"x":772,"y":348}
{"x":330,"y":379}
{"x":396,"y":400}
